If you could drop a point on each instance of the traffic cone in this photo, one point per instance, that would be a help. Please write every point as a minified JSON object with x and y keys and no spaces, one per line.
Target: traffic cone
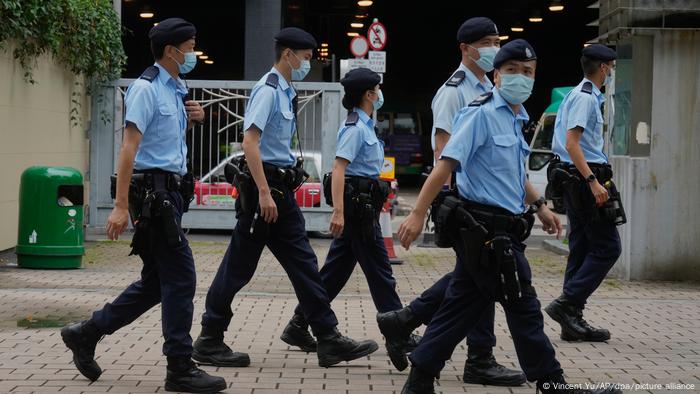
{"x":387,"y":234}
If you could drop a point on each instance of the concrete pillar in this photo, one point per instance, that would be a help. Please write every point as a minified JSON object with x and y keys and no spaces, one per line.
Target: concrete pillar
{"x":263,"y":19}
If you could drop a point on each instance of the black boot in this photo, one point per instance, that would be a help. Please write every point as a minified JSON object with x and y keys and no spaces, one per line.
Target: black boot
{"x":592,"y":334}
{"x":297,"y":334}
{"x":184,"y":376}
{"x":210,"y":349}
{"x":81,"y":339}
{"x":564,"y":312}
{"x":397,"y":326}
{"x":557,"y":385}
{"x":418,"y":383}
{"x":481,"y":368}
{"x":334,"y":348}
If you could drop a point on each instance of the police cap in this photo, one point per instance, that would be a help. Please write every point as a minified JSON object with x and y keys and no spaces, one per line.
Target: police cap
{"x":474,"y":29}
{"x":172,"y":31}
{"x":515,"y":50}
{"x":360,"y":80}
{"x":599,"y":52}
{"x":295,"y":38}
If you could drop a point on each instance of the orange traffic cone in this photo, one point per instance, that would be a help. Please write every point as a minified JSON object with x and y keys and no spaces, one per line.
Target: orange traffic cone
{"x":387,"y":234}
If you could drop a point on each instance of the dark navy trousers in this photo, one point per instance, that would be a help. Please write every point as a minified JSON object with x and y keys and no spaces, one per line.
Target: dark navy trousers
{"x":167,"y":277}
{"x":594,"y":247}
{"x":346,"y":252}
{"x":288,"y":242}
{"x":463,"y":307}
{"x":481,"y":337}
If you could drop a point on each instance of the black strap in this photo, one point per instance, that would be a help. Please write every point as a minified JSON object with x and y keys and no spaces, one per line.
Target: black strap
{"x":587,"y":87}
{"x":456,"y":78}
{"x":479,"y":101}
{"x":150,"y":73}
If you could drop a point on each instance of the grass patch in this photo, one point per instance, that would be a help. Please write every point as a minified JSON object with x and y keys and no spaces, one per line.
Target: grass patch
{"x":423,"y":259}
{"x":612,"y":284}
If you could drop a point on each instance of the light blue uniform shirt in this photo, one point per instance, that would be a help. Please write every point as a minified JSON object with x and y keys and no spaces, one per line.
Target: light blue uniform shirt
{"x":359,"y":145}
{"x":157,"y":110}
{"x":489,"y":146}
{"x":450,"y":99}
{"x":581,"y":109}
{"x":271,"y":111}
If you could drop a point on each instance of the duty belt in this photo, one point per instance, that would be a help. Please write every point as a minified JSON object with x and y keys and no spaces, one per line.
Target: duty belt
{"x":498,"y":220}
{"x":158,"y":180}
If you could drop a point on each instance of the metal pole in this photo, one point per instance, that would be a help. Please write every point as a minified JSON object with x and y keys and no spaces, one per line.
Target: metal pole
{"x":333,"y":67}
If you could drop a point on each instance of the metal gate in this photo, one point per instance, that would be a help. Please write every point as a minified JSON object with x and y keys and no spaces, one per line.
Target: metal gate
{"x":214,"y":143}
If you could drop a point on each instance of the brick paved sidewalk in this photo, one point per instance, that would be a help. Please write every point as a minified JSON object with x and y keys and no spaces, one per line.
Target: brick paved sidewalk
{"x":655,"y":329}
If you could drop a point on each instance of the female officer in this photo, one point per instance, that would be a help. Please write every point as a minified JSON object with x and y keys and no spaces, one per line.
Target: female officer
{"x":359,"y":157}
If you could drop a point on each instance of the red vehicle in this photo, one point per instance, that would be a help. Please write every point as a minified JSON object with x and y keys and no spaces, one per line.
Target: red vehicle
{"x":213,"y":190}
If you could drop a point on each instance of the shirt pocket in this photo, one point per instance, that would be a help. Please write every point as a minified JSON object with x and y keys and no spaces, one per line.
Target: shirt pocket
{"x":373,"y":152}
{"x":504,"y":152}
{"x":167,"y":118}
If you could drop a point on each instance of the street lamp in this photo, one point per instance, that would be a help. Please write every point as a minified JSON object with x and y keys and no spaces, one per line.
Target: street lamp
{"x":556,"y":6}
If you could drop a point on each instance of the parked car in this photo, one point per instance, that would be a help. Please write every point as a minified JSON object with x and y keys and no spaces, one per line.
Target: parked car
{"x":213,"y":190}
{"x":541,"y":147}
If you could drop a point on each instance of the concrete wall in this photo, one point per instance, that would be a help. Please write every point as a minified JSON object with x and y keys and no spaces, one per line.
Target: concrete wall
{"x":35,"y":129}
{"x":662,"y":192}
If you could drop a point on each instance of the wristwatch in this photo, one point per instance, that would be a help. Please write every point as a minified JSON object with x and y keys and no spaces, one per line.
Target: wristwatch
{"x":540,"y":202}
{"x":590,"y":178}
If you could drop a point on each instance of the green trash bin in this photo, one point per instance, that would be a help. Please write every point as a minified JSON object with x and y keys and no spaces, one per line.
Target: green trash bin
{"x":50,"y":218}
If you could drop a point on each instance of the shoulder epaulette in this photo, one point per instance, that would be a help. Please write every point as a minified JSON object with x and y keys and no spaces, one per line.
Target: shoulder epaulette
{"x":481,"y":99}
{"x":352,"y":119}
{"x":456,"y":78}
{"x":150,"y":73}
{"x":272,"y":80}
{"x":587,"y":87}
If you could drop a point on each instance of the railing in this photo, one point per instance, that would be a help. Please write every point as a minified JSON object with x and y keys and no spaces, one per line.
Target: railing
{"x":216,"y":141}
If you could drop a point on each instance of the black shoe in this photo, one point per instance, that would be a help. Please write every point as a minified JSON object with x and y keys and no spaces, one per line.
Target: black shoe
{"x":210,"y":349}
{"x":81,"y":339}
{"x":418,"y":383}
{"x":412,"y":343}
{"x":481,"y":368}
{"x":397,"y":327}
{"x":565,"y":313}
{"x":557,"y":385}
{"x":592,"y":334}
{"x":184,"y":376}
{"x":334,"y":348}
{"x":297,"y":334}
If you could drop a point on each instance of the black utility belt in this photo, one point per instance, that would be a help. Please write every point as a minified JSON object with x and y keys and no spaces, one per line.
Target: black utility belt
{"x":357,"y":187}
{"x":455,"y":213}
{"x":290,"y":177}
{"x":602,"y":172}
{"x":497,"y":220}
{"x":157,"y":180}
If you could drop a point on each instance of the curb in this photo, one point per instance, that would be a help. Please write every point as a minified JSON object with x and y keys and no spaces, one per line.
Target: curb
{"x":556,"y":246}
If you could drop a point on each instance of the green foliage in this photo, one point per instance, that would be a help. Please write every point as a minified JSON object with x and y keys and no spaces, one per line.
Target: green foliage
{"x":83,"y":35}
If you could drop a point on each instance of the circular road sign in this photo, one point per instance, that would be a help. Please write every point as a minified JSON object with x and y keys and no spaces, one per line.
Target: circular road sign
{"x":359,"y":46}
{"x":376,"y":35}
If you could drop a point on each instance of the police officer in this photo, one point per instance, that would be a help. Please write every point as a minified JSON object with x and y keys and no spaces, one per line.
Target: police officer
{"x":357,"y":196}
{"x":594,"y":244}
{"x":488,"y":152}
{"x":154,"y":148}
{"x":479,"y":44}
{"x":270,"y":123}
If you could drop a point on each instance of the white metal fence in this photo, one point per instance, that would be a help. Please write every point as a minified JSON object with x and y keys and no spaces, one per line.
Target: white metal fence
{"x":215,"y":142}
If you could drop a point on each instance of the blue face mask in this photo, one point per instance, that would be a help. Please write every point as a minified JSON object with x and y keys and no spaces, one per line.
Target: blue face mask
{"x":190,"y":62}
{"x":515,"y":88}
{"x":300,"y":73}
{"x":486,"y":56}
{"x":380,"y":100}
